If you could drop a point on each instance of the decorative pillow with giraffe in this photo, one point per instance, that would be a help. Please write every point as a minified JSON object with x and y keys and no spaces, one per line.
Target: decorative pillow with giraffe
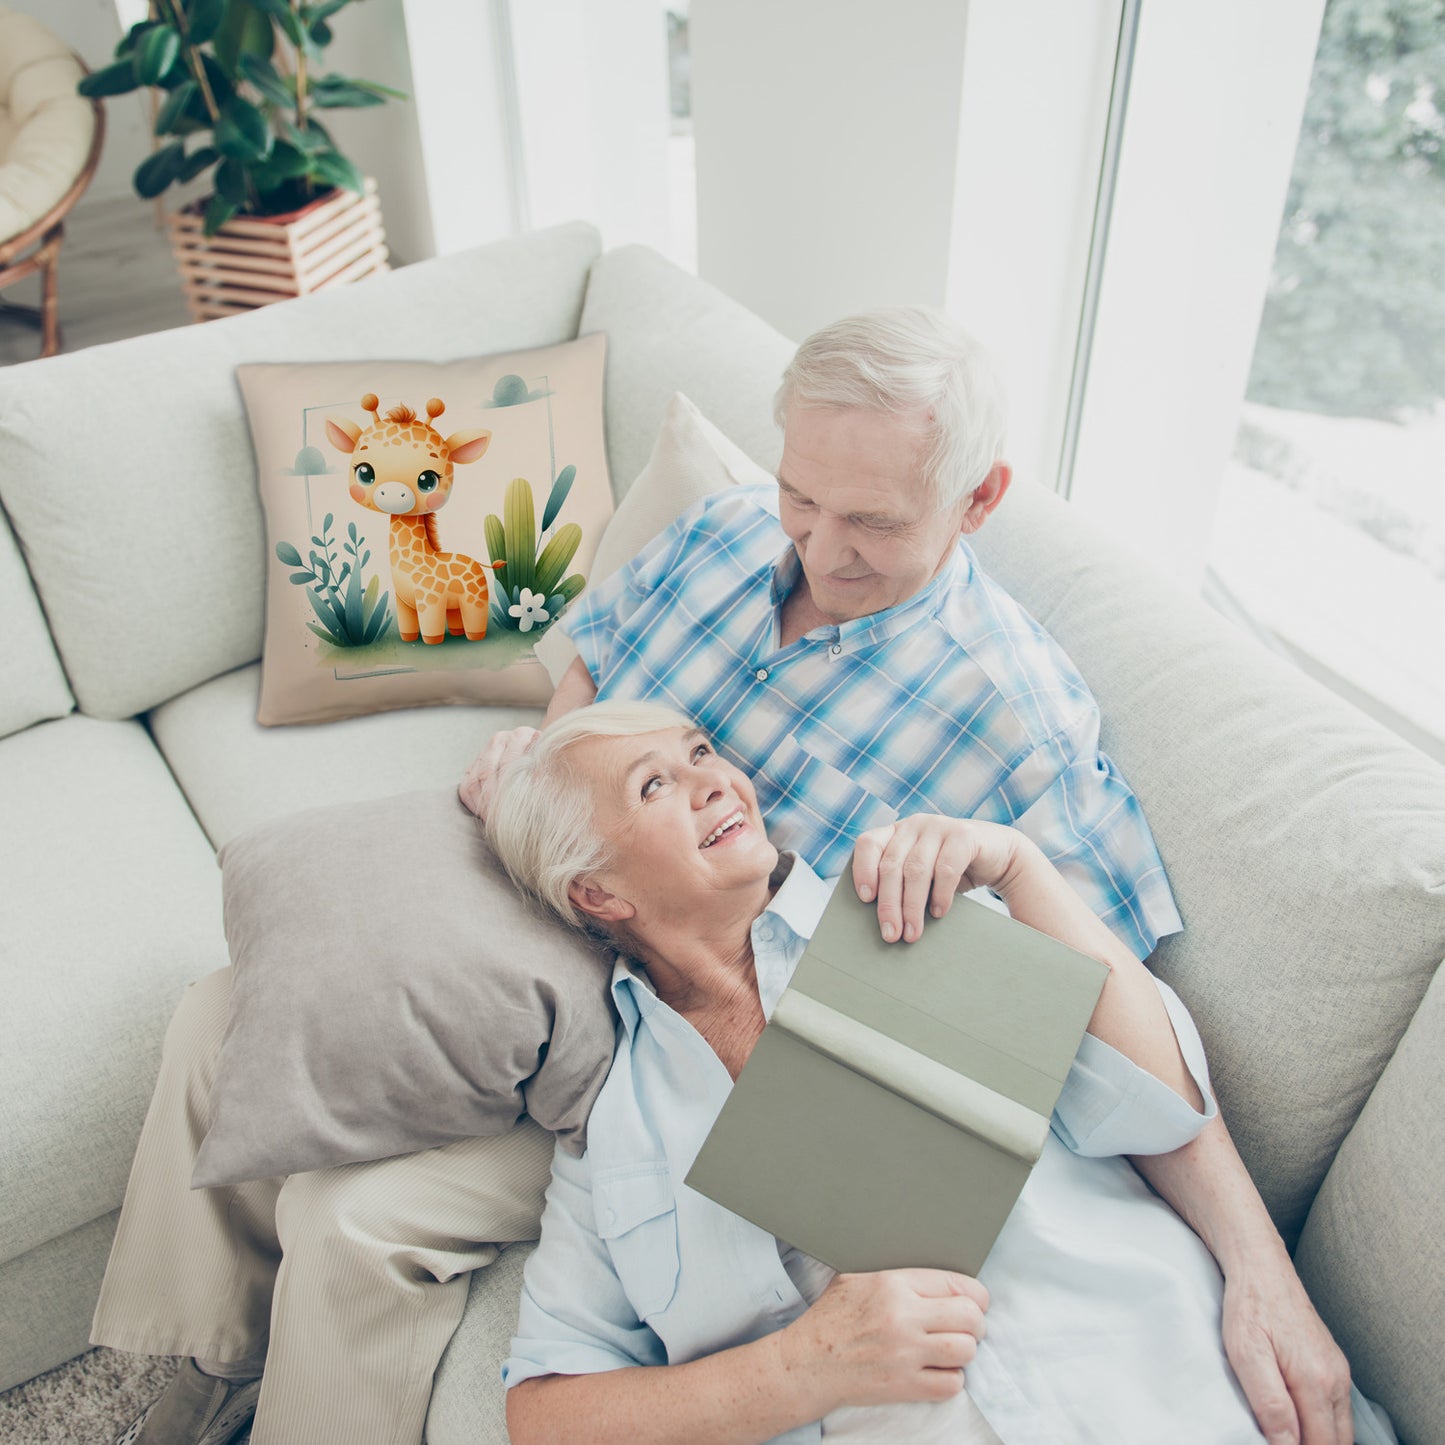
{"x":378,"y":598}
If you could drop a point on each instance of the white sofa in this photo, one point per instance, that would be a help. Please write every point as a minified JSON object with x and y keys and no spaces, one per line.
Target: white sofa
{"x":1305,"y":845}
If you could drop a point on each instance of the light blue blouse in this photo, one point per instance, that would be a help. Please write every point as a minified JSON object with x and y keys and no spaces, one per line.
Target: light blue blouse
{"x":1105,"y":1316}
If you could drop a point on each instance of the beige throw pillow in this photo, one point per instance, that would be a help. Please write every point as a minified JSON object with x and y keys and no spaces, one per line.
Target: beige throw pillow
{"x":392,"y":992}
{"x":426,"y":524}
{"x":691,"y":459}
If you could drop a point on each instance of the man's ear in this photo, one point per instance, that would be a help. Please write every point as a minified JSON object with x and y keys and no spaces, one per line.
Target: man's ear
{"x":595,"y":901}
{"x":986,"y":496}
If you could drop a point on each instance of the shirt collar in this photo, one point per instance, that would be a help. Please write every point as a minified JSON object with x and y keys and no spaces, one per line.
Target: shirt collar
{"x":783,"y":929}
{"x":879,"y":627}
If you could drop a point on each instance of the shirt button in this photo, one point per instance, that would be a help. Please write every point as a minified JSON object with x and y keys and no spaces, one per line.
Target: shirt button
{"x":765,"y":933}
{"x":761,"y":674}
{"x":836,"y":648}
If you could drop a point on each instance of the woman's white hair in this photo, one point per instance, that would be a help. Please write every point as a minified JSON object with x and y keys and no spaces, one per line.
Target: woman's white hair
{"x":908,"y":360}
{"x":542,"y":821}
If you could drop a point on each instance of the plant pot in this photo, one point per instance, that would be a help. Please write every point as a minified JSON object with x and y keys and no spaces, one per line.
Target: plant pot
{"x":255,"y":260}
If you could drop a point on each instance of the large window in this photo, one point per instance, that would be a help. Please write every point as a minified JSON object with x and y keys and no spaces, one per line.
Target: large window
{"x":1330,"y":528}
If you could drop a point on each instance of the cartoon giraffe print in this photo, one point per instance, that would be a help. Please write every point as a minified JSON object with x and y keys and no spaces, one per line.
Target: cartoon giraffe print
{"x":401,"y":466}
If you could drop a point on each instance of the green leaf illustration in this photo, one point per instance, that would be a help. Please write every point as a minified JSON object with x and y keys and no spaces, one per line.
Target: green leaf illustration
{"x":560,"y":488}
{"x":288,"y":554}
{"x":521,"y":534}
{"x":556,"y":555}
{"x":496,"y":538}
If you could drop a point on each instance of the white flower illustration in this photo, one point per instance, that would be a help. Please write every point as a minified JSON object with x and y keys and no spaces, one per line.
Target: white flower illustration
{"x":529,"y":610}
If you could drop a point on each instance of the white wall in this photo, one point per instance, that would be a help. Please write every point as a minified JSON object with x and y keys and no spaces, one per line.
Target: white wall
{"x":593,"y":112}
{"x":827,"y":149}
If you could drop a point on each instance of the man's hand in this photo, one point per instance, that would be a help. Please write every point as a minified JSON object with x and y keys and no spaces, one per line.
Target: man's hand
{"x":477,"y":784}
{"x":915,"y":866}
{"x":1295,"y":1377}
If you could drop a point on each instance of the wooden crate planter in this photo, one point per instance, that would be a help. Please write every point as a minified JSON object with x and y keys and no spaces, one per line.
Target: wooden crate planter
{"x":255,"y":260}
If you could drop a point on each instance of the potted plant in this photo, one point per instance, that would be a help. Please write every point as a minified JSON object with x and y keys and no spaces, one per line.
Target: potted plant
{"x":239,"y":85}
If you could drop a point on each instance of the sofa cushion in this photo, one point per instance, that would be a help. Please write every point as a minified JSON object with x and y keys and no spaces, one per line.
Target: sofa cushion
{"x":32,"y":682}
{"x":392,"y":993}
{"x":431,"y":474}
{"x":468,"y":1404}
{"x":237,"y":774}
{"x":146,"y":440}
{"x":1301,"y":840}
{"x":669,"y":332}
{"x":691,"y":459}
{"x":1372,"y":1254}
{"x":111,"y":904}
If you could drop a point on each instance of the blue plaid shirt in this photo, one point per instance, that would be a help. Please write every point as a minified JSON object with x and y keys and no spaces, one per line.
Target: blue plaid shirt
{"x":954,"y":702}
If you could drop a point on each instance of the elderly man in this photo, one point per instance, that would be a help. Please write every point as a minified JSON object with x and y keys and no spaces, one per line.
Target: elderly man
{"x":838,"y":640}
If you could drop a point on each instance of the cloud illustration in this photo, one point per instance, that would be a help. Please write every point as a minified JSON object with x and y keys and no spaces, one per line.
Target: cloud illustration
{"x":310,"y":463}
{"x":512,"y":390}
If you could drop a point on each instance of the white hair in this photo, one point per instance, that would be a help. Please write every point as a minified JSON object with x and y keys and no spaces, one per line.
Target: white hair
{"x":542,"y":822}
{"x":908,"y":360}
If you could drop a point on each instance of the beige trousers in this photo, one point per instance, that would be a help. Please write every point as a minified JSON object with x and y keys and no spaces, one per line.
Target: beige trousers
{"x":349,"y":1281}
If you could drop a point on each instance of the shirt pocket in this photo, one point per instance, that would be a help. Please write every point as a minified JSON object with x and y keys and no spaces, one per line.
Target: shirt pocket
{"x":636,"y":1211}
{"x":815,"y":808}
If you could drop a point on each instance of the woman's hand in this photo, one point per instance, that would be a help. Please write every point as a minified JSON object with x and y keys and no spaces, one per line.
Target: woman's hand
{"x":899,"y":1334}
{"x":479,"y":780}
{"x":918,"y":864}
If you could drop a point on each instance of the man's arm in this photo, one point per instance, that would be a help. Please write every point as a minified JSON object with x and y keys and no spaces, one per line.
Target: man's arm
{"x":1295,"y":1377}
{"x":575,"y":690}
{"x":475,"y":789}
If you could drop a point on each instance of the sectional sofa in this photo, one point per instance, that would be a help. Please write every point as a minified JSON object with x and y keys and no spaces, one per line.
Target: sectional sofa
{"x":1305,"y":845}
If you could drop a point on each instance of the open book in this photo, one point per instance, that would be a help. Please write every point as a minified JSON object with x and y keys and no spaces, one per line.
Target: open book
{"x":892,"y":1109}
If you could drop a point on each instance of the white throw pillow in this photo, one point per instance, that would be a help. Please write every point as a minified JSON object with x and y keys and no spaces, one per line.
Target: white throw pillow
{"x":691,"y":459}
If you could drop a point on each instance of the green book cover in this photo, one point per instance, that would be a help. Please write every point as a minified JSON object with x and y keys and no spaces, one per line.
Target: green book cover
{"x":900,"y":1094}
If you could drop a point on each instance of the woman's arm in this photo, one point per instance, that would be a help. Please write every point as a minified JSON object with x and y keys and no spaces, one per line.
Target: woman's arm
{"x":917,"y":865}
{"x":903,"y":1334}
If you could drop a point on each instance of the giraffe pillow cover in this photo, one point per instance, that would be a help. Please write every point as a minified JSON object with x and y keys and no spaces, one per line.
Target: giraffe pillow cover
{"x":426,"y":524}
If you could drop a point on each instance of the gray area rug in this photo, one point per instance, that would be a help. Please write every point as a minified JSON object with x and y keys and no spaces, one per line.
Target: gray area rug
{"x":86,"y":1402}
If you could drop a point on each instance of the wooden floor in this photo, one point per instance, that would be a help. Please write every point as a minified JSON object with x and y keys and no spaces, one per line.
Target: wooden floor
{"x":117,"y":279}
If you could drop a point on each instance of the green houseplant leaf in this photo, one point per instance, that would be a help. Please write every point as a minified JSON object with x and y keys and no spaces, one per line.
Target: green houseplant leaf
{"x":203,"y":20}
{"x":158,"y":50}
{"x":278,"y":89}
{"x":173,"y":111}
{"x":333,"y":168}
{"x":242,"y":132}
{"x":158,"y":170}
{"x":218,"y":211}
{"x":117,"y":79}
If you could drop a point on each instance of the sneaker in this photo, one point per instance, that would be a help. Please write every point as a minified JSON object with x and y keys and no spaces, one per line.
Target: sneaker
{"x":195,"y":1409}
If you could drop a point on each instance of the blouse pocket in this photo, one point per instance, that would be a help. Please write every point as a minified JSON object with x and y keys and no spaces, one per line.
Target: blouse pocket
{"x":637,"y":1216}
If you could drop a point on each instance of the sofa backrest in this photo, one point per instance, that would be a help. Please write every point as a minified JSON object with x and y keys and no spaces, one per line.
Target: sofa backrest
{"x":128,"y":474}
{"x":32,"y":682}
{"x":667,"y":332}
{"x":1302,"y":840}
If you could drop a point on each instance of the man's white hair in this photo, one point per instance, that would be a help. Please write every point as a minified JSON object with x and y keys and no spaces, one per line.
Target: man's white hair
{"x":908,"y":360}
{"x":542,"y":821}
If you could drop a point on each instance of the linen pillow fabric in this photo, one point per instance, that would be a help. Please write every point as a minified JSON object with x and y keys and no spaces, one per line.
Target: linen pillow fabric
{"x":691,"y":459}
{"x":426,"y":524}
{"x":393,"y":993}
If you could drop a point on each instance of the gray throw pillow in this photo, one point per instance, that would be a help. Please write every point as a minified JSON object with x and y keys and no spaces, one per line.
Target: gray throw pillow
{"x":393,"y":992}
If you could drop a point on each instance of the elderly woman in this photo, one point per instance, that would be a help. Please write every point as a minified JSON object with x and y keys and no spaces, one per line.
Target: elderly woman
{"x":654,"y":1314}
